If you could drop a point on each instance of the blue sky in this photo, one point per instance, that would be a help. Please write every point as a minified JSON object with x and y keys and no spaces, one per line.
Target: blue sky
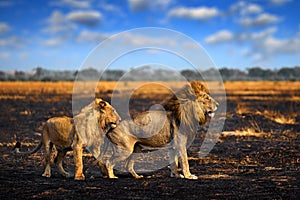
{"x":60,"y":34}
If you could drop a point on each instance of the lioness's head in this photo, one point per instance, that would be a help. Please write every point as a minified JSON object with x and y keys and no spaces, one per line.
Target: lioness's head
{"x":109,"y":118}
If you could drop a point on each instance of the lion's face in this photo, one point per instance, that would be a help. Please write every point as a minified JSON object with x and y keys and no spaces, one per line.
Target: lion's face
{"x":207,"y":103}
{"x":109,"y":118}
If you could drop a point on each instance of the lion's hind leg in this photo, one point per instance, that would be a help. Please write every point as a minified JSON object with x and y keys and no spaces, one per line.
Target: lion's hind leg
{"x":119,"y":154}
{"x":122,"y":145}
{"x":58,"y":162}
{"x":48,"y":148}
{"x":115,"y":158}
{"x":130,"y":163}
{"x":103,"y":168}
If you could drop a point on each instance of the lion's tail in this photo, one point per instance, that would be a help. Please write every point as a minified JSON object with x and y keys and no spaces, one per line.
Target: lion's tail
{"x":18,"y":146}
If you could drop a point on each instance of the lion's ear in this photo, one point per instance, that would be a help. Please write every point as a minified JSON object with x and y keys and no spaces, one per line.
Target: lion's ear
{"x":98,"y":100}
{"x":102,"y":104}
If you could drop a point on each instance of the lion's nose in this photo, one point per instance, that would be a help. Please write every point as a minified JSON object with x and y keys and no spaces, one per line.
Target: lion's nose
{"x":211,"y":114}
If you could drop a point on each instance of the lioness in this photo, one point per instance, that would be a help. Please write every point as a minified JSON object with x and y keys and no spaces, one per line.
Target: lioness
{"x":67,"y":133}
{"x":173,"y":128}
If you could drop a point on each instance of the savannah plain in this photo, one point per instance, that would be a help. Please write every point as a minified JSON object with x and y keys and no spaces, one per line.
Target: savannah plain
{"x":257,"y":154}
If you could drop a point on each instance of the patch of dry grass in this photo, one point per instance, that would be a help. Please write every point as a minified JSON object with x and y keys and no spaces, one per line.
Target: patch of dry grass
{"x":278,"y":117}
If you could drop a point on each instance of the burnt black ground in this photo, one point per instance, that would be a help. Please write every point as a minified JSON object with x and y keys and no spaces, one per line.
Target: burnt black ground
{"x":239,"y":167}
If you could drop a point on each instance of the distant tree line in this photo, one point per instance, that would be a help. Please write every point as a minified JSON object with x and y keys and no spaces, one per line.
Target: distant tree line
{"x":148,"y":73}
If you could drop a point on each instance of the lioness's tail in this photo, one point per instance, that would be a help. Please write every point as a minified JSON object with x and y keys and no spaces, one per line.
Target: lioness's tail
{"x":18,"y":146}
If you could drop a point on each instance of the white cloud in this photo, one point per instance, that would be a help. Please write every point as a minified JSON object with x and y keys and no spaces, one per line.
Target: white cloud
{"x":72,"y":3}
{"x":141,"y":5}
{"x":94,"y":37}
{"x":279,"y":2}
{"x":196,"y":13}
{"x":261,"y":45}
{"x":273,"y":45}
{"x":220,"y":37}
{"x":161,"y":3}
{"x":4,"y":28}
{"x":13,"y":42}
{"x":53,"y":42}
{"x":137,"y":40}
{"x":112,"y":8}
{"x":61,"y":27}
{"x":261,"y":20}
{"x":268,"y":46}
{"x":109,"y":7}
{"x":57,"y":23}
{"x":237,"y":6}
{"x":245,"y":37}
{"x":56,"y":17}
{"x":245,"y":8}
{"x":88,"y":18}
{"x":252,"y":9}
{"x":191,"y":45}
{"x":138,"y":5}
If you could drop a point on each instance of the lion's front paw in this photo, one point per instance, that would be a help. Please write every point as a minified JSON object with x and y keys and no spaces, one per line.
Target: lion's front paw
{"x":79,"y":178}
{"x":138,"y":176}
{"x":192,"y":176}
{"x":48,"y":175}
{"x":177,"y":175}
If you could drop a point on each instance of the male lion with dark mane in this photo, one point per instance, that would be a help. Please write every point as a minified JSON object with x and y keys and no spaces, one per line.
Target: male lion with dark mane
{"x":88,"y":128}
{"x":173,"y":128}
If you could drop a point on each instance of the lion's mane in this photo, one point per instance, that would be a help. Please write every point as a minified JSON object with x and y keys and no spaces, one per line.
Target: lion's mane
{"x":183,"y":106}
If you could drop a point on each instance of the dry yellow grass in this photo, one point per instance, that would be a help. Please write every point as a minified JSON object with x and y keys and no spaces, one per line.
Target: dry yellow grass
{"x":41,"y":87}
{"x":279,"y":117}
{"x":243,"y":93}
{"x":232,"y":87}
{"x":254,"y":87}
